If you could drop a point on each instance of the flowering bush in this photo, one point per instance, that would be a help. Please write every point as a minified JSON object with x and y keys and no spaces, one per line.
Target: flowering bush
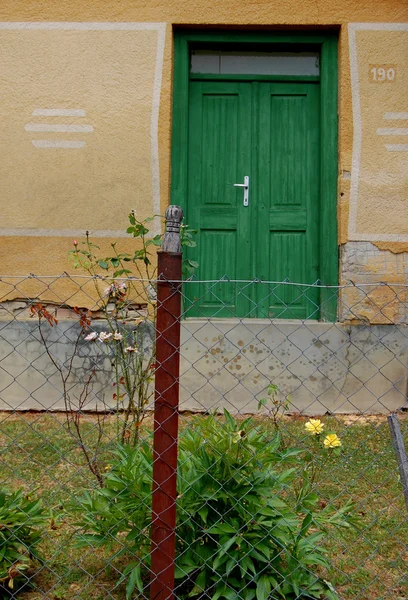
{"x":133,"y":363}
{"x":243,"y":530}
{"x":127,"y":339}
{"x":134,"y":369}
{"x":325,"y":448}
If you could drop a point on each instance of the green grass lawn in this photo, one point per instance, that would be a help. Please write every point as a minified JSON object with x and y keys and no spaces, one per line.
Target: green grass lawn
{"x":368,"y":563}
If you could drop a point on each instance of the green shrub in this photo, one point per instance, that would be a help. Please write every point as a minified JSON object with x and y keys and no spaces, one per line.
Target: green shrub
{"x":22,"y":521}
{"x":249,"y":524}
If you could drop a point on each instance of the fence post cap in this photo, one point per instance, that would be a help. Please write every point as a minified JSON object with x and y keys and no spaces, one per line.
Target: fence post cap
{"x":171,"y":238}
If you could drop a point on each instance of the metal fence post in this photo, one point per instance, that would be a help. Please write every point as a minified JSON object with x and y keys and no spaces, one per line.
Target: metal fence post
{"x":399,"y":447}
{"x":166,"y":410}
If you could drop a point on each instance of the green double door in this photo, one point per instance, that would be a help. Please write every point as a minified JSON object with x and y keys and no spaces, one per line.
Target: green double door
{"x":268,"y":132}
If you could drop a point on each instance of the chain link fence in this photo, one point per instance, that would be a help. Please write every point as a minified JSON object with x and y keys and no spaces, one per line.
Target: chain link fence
{"x":274,"y":403}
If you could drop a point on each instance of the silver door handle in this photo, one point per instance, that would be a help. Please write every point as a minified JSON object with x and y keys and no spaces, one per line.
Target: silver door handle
{"x":245,"y":185}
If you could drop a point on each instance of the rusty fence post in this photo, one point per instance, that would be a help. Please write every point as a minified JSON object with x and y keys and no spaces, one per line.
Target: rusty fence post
{"x":163,"y":535}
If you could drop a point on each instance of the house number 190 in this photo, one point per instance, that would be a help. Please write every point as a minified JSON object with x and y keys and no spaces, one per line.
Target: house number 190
{"x":385,"y":73}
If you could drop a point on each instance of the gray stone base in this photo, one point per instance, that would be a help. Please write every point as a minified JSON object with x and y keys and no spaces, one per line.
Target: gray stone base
{"x":324,"y":367}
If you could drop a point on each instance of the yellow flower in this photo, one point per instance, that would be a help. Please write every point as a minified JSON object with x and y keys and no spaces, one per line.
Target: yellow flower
{"x":314,"y":426}
{"x":331,"y":441}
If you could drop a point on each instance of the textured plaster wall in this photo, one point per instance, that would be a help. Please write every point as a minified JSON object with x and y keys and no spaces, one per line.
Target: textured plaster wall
{"x":111,"y":75}
{"x":107,"y":81}
{"x":379,"y":178}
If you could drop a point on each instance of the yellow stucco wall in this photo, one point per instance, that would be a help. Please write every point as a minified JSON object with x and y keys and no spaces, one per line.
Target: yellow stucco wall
{"x":121,"y":78}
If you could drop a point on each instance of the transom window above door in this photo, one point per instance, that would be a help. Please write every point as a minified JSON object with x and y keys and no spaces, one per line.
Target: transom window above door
{"x":254,"y":63}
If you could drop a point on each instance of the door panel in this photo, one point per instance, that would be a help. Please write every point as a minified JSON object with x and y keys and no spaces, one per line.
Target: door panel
{"x":289,"y":194}
{"x":287,"y":259}
{"x":270,"y":132}
{"x":219,"y":153}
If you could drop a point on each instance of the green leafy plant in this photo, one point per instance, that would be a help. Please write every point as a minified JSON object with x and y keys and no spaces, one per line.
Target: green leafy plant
{"x":187,"y":240}
{"x":275,"y":402}
{"x":139,"y":264}
{"x":22,"y":522}
{"x":117,"y":517}
{"x":243,"y":529}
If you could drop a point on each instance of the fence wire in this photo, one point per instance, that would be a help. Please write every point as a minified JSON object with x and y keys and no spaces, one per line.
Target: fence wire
{"x":288,"y":485}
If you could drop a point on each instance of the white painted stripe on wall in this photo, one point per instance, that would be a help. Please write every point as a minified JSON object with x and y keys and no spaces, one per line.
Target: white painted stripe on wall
{"x":353,"y":235}
{"x":380,"y":237}
{"x":91,"y":26}
{"x":397,"y":147}
{"x":154,"y":123}
{"x":59,"y":128}
{"x":355,"y":162}
{"x":154,"y":128}
{"x":379,"y":26}
{"x":396,"y":116}
{"x":392,"y":131}
{"x":74,"y":233}
{"x":58,"y":144}
{"x":58,"y":112}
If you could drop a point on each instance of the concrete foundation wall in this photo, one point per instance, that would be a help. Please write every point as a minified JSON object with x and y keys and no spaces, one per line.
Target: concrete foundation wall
{"x":30,"y":381}
{"x":325,"y":367}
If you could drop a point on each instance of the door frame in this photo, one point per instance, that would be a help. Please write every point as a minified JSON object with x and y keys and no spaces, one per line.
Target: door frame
{"x":326,"y":43}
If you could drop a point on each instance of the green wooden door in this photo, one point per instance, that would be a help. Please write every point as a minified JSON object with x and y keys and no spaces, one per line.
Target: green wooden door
{"x":288,"y":197}
{"x":269,"y":132}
